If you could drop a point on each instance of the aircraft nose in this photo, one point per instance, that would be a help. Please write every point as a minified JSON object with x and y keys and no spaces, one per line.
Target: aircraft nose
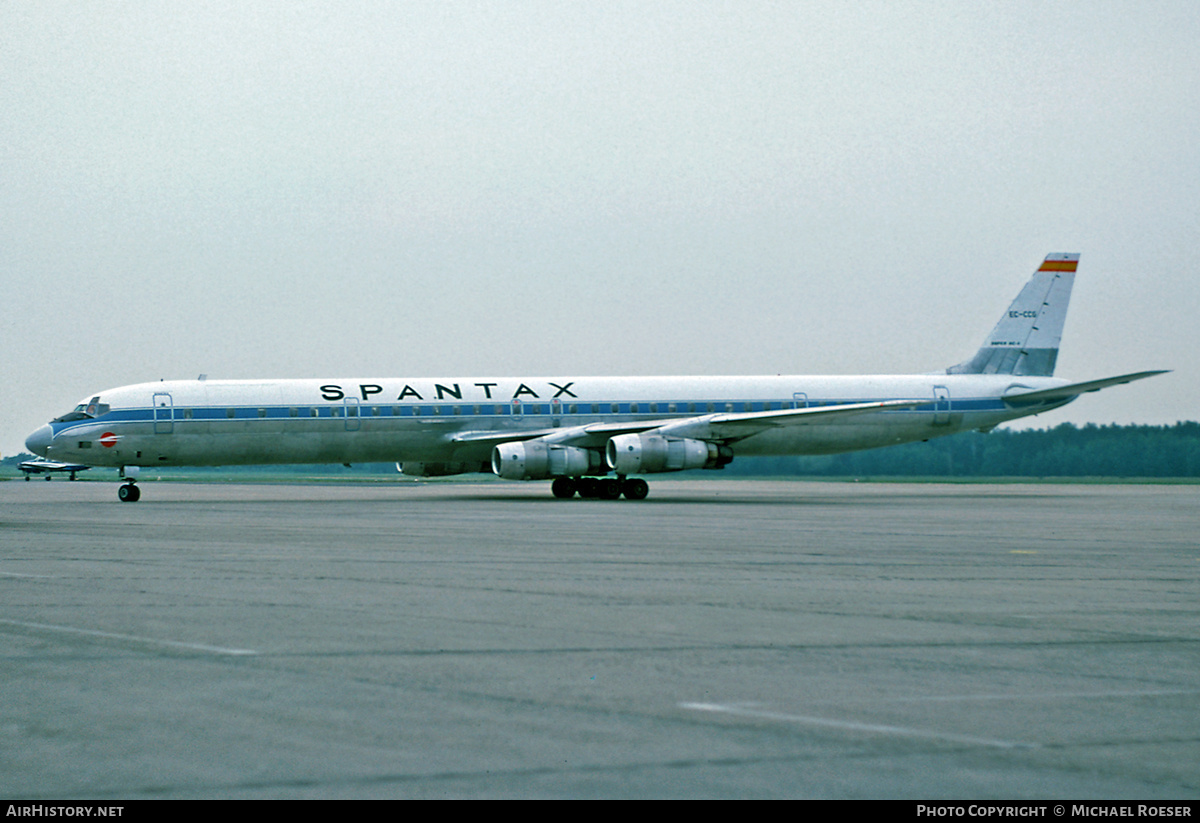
{"x":39,"y":441}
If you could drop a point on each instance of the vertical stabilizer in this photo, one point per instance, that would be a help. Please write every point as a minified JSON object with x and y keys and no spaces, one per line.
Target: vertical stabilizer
{"x":1026,"y":339}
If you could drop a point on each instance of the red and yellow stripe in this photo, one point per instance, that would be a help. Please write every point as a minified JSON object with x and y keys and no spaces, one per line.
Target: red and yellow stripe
{"x":1059,"y":265}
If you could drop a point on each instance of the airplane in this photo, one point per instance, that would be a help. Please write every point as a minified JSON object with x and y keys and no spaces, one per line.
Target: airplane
{"x":47,"y":467}
{"x":575,"y":431}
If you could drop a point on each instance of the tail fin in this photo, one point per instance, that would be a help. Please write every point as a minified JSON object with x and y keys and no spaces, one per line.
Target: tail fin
{"x":1026,"y":339}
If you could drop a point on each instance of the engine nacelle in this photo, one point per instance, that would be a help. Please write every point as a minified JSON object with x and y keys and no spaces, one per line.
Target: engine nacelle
{"x":538,"y":460}
{"x":413,"y":469}
{"x":644,"y":453}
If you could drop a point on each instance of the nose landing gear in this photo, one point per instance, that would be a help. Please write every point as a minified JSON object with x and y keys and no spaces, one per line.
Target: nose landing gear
{"x":129,"y":492}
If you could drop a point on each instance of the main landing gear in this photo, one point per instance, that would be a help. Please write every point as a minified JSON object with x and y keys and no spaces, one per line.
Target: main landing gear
{"x":604,"y":488}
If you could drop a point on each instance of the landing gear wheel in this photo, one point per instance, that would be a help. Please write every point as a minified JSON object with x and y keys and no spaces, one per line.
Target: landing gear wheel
{"x":588,"y":487}
{"x":563,"y":488}
{"x":610,"y":489}
{"x":635,"y":489}
{"x":129,"y":493}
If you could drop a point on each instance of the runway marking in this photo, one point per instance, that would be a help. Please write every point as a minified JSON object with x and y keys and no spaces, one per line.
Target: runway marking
{"x":850,"y":725}
{"x":18,"y":574}
{"x":150,"y":641}
{"x":1047,"y":696}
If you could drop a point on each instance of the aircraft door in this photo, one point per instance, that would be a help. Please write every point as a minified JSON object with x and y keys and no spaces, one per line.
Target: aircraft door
{"x":164,"y":413}
{"x":941,"y":406}
{"x":353,"y":422}
{"x":799,"y":400}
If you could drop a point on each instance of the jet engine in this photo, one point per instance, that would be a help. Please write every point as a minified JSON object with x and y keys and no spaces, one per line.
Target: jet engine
{"x":537,"y":460}
{"x":644,"y":453}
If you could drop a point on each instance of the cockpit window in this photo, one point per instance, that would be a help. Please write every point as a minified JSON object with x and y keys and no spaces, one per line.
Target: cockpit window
{"x":84,"y":411}
{"x":78,"y":413}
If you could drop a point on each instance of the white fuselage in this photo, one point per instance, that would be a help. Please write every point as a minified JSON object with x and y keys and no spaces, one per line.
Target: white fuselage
{"x":447,"y":420}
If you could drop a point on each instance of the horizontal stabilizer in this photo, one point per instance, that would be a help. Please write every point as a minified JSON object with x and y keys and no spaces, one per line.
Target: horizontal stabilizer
{"x":1075,"y":389}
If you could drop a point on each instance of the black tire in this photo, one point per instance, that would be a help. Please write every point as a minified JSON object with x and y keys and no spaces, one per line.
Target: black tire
{"x":129,"y":493}
{"x":635,"y":489}
{"x":563,"y":488}
{"x":588,"y":487}
{"x":610,"y":489}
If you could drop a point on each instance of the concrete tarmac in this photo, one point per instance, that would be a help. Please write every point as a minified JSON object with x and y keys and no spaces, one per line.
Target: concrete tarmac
{"x":719,"y":639}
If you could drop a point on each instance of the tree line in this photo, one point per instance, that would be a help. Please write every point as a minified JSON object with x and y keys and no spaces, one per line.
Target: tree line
{"x":1065,"y":450}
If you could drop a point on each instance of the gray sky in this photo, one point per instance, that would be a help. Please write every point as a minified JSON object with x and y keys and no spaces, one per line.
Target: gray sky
{"x":313,"y":189}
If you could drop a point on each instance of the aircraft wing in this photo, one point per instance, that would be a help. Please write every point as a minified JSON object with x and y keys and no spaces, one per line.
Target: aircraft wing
{"x":738,"y":425}
{"x":47,"y":466}
{"x":724,"y":426}
{"x":1075,"y":389}
{"x":503,"y":435}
